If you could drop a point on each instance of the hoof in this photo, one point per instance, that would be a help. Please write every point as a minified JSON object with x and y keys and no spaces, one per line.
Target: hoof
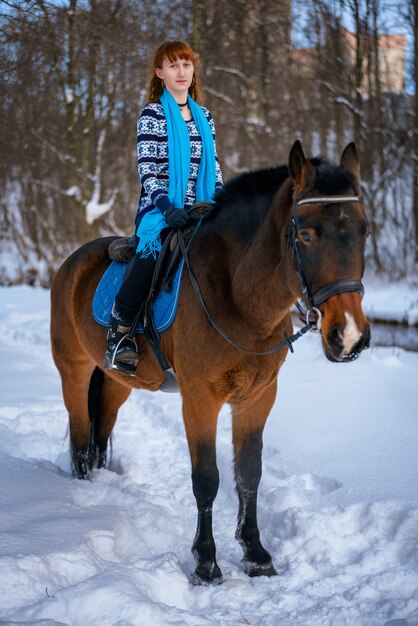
{"x":81,"y":466}
{"x":84,"y":474}
{"x":102,"y":460}
{"x":255,"y":569}
{"x":207,"y":574}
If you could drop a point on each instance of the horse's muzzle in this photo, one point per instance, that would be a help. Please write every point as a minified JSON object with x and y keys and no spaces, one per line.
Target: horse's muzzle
{"x":337,"y":347}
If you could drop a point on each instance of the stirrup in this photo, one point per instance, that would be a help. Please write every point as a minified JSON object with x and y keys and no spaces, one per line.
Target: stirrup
{"x":127,"y":367}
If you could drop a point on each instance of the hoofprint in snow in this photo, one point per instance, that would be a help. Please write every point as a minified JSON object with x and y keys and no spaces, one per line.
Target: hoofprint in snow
{"x":338,"y":500}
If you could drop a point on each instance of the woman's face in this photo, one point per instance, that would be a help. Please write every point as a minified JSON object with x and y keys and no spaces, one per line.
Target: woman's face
{"x":177,"y":76}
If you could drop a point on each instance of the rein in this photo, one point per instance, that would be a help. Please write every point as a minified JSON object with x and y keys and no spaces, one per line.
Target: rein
{"x":314,"y":299}
{"x":286,"y":342}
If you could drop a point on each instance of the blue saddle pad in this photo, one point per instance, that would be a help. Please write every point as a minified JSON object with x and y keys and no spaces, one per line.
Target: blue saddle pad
{"x":165,"y":304}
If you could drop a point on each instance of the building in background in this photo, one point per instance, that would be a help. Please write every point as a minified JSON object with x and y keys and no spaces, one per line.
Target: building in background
{"x":382,"y":60}
{"x":391,"y":55}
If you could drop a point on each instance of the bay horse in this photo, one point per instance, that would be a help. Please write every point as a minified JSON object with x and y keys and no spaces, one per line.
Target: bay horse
{"x":276,"y":235}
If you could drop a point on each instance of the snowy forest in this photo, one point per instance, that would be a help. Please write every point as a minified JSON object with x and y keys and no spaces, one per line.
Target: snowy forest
{"x":338,"y":505}
{"x":74,"y":76}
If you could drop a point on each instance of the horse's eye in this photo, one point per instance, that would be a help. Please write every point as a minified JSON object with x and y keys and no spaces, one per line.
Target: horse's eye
{"x":306,"y":236}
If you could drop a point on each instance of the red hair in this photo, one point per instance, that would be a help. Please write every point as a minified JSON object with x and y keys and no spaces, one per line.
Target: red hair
{"x":173,"y":50}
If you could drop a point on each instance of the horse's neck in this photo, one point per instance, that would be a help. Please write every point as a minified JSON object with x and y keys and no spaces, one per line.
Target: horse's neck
{"x":259,"y":287}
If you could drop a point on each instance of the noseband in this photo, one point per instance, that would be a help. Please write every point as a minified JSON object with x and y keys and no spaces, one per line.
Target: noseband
{"x":334,"y":288}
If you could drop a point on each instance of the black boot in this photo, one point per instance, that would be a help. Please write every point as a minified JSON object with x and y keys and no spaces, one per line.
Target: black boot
{"x":122,"y":350}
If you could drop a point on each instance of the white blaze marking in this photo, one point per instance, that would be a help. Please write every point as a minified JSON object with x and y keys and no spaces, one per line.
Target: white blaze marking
{"x":351,"y":334}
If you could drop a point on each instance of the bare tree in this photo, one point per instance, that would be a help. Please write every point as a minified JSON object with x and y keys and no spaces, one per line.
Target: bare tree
{"x":244,"y":49}
{"x":354,"y":92}
{"x":74,"y":76}
{"x":413,"y":14}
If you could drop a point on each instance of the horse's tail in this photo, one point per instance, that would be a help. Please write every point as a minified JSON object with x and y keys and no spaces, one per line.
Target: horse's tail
{"x":96,"y":458}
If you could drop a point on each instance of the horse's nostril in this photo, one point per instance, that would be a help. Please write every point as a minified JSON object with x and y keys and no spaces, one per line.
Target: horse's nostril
{"x":335,"y":337}
{"x":364,"y":341}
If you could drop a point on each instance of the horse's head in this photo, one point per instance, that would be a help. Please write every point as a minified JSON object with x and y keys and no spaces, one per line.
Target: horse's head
{"x":328,"y":228}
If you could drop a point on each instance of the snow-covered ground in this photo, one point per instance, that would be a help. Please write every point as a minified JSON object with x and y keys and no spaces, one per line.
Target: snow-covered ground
{"x":338,"y":503}
{"x":392,"y":302}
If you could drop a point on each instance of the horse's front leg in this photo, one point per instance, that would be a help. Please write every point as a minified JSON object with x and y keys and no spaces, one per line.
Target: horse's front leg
{"x":200,"y":413}
{"x":248,"y":420}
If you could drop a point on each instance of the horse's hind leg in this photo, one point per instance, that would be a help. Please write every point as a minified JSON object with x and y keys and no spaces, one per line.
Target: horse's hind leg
{"x":76,"y":376}
{"x":92,"y":400}
{"x":248,"y":420}
{"x":104,"y":404}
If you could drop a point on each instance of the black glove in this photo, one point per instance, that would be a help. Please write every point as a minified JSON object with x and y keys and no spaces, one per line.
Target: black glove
{"x":176,"y":218}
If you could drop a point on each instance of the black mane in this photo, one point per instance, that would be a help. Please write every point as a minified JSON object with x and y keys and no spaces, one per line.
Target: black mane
{"x":244,"y":201}
{"x":252,"y":184}
{"x":331,"y":179}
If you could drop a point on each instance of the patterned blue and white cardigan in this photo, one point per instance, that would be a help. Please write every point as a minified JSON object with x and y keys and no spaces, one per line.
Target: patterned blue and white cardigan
{"x":152,"y":151}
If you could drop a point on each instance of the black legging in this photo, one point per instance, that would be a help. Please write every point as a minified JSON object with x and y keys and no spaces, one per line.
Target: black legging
{"x":137,"y":281}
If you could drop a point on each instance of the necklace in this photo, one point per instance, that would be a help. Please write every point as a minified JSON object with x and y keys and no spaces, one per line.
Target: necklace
{"x":182,"y":105}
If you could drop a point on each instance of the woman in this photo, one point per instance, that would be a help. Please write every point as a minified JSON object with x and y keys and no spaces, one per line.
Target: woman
{"x":178,"y":165}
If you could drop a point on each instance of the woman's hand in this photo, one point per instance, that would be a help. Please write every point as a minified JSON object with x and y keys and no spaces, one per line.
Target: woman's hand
{"x":176,"y":218}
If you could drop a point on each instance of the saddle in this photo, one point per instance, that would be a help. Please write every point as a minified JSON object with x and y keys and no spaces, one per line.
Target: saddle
{"x":123,"y":249}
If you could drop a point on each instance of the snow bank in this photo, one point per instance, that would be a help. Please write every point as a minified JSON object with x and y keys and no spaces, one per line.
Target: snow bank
{"x":392,"y":302}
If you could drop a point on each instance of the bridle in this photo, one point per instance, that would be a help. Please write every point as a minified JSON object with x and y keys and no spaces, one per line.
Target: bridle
{"x":312,"y":315}
{"x":335,"y":287}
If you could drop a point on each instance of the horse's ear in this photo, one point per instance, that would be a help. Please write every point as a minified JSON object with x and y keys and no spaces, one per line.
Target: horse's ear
{"x":301,"y":170}
{"x":351,"y":163}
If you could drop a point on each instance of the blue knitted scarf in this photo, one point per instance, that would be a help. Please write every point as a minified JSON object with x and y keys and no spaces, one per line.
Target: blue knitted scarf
{"x":179,"y":152}
{"x":179,"y":169}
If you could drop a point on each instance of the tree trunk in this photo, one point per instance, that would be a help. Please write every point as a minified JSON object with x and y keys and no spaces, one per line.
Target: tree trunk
{"x":415,"y":141}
